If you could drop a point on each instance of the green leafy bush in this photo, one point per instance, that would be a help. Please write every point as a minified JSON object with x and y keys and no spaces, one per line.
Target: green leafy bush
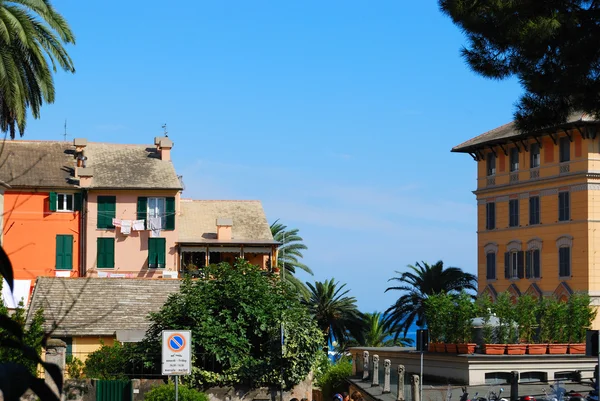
{"x":111,"y":362}
{"x":74,"y":367}
{"x":236,"y":318}
{"x":334,"y":379}
{"x":166,"y":392}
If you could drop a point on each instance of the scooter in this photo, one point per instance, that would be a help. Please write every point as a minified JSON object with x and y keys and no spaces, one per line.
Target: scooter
{"x":465,"y":395}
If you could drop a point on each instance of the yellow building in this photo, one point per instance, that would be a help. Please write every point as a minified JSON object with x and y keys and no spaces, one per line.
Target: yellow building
{"x":538,"y":209}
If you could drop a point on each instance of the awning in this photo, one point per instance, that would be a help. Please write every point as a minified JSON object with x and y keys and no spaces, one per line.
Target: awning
{"x":256,"y":249}
{"x":225,"y":249}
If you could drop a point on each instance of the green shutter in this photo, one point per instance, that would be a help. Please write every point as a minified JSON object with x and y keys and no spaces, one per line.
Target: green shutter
{"x":170,"y":206}
{"x":77,"y":201}
{"x":106,"y":253}
{"x":142,"y":210}
{"x":157,"y":252}
{"x":107,"y":210}
{"x":64,"y":252}
{"x":52,"y":202}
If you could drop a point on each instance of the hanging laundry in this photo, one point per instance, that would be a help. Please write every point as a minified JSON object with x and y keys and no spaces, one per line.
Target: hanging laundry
{"x":126,"y":227}
{"x":116,"y":222}
{"x":155,"y":224}
{"x":138,"y":225}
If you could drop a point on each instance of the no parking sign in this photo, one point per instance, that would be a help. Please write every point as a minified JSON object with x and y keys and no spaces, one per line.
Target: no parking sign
{"x":176,"y":359}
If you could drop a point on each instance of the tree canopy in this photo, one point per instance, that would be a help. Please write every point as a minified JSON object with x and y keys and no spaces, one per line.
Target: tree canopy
{"x":32,"y":34}
{"x":236,"y":318}
{"x":551,"y":47}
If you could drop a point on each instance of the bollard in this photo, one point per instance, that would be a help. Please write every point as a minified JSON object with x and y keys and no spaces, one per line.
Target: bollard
{"x":387,"y":364}
{"x":514,"y":385}
{"x":414,"y":388}
{"x":375,"y":380}
{"x":400,"y":396}
{"x":365,"y":365}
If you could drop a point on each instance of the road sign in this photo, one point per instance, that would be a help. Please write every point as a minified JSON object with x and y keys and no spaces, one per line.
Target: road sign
{"x":176,"y":355}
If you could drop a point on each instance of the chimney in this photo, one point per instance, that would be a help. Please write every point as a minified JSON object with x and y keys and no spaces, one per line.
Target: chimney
{"x":164,"y":145}
{"x":80,"y":157}
{"x":86,"y":175}
{"x":224,"y":229}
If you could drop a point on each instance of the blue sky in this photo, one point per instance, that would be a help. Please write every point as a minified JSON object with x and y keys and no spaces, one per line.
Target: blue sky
{"x":339,"y":116}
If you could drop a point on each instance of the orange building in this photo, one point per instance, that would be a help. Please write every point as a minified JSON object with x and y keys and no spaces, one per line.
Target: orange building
{"x":41,"y":221}
{"x":538,"y":209}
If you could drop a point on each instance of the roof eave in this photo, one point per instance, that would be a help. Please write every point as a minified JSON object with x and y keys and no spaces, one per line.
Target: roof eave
{"x":506,"y":140}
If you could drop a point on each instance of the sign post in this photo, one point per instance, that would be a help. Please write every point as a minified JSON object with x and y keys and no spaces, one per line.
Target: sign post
{"x":176,"y":355}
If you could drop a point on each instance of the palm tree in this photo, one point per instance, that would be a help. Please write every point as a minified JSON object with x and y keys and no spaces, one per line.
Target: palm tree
{"x":32,"y":34}
{"x":335,"y":312}
{"x":417,"y":284}
{"x":289,"y":254}
{"x":377,"y":335}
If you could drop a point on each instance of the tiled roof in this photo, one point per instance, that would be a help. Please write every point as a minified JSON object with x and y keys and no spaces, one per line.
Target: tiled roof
{"x":198,"y":221}
{"x":508,"y":132}
{"x":39,"y":164}
{"x":98,"y":306}
{"x":50,"y":164}
{"x":129,"y":166}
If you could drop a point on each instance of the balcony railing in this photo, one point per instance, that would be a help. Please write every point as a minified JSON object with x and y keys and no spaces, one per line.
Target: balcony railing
{"x":534,"y":173}
{"x":514,"y":177}
{"x":491,"y":181}
{"x":564,"y":168}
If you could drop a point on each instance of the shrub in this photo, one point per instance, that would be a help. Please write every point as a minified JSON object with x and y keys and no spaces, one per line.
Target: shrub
{"x":109,"y":362}
{"x":74,"y":367}
{"x":166,"y":392}
{"x":334,"y":379}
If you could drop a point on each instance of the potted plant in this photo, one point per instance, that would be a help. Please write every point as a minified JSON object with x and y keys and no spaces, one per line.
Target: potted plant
{"x":526,"y":311}
{"x":503,"y":308}
{"x":464,"y":313}
{"x":485,"y":309}
{"x":433,"y":321}
{"x":436,"y":313}
{"x":553,"y":326}
{"x":580,"y":315}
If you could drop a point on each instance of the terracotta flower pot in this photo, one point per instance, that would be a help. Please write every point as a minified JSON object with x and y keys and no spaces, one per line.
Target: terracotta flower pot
{"x":516,"y":349}
{"x":431,"y":347}
{"x":440,"y":347}
{"x":577,"y":348}
{"x":494,"y":349}
{"x":466,"y":348}
{"x":537,"y":349}
{"x":451,"y":348}
{"x":558,"y":348}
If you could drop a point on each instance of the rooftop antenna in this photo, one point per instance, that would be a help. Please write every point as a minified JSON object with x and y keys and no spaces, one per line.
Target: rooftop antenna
{"x":65,"y":134}
{"x":164,"y":127}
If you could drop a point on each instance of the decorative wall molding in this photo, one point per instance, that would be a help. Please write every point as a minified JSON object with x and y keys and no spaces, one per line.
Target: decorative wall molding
{"x":564,"y":240}
{"x":534,"y":243}
{"x":579,"y":187}
{"x":549,"y":192}
{"x":481,"y":201}
{"x":514,"y":245}
{"x":502,"y":198}
{"x":524,"y":195}
{"x":490,"y":247}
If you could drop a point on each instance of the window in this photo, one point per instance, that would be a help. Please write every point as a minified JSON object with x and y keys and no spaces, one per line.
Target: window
{"x":532,"y":263}
{"x":164,"y":208}
{"x":514,"y":264}
{"x":564,"y":147}
{"x":490,"y":266}
{"x":564,"y":208}
{"x":157,"y":252}
{"x":564,"y":262}
{"x":534,"y":210}
{"x":490,"y":213}
{"x":64,"y":202}
{"x":514,"y":159}
{"x":534,"y":155}
{"x":107,"y":211}
{"x":106,"y":253}
{"x":69,"y":342}
{"x":491,"y":164}
{"x":64,"y":252}
{"x":513,"y":213}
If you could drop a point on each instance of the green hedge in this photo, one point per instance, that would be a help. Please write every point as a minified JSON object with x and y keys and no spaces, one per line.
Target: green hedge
{"x":333,"y":380}
{"x":166,"y":392}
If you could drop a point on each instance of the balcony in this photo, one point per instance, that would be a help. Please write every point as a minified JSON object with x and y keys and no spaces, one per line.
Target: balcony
{"x":534,"y":173}
{"x":564,"y":168}
{"x":514,"y":177}
{"x":491,"y":181}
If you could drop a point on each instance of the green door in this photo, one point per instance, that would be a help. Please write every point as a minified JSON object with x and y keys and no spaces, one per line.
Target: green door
{"x":114,"y":390}
{"x":64,"y":252}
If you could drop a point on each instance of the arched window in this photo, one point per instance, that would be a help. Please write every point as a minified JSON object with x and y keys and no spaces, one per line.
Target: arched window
{"x":490,"y":250}
{"x":514,"y":261}
{"x":564,"y":245}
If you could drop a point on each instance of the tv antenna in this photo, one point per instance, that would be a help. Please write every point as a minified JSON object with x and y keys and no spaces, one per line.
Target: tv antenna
{"x":164,"y":127}
{"x":65,"y":134}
